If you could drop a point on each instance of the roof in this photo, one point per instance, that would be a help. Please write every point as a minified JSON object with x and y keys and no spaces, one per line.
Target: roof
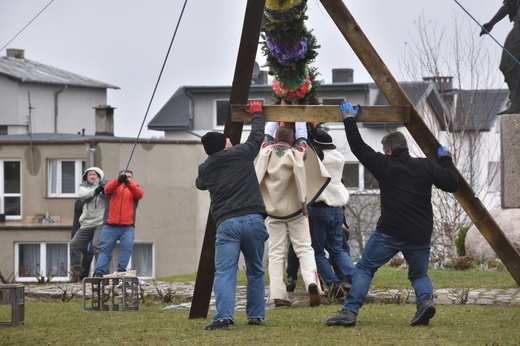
{"x":28,"y":71}
{"x":476,"y":110}
{"x":414,"y":90}
{"x":66,"y":138}
{"x":177,"y":112}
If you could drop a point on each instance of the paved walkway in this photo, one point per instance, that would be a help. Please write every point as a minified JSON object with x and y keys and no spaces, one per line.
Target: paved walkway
{"x":183,"y":293}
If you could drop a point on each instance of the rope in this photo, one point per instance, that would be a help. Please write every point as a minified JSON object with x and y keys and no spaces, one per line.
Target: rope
{"x":156,"y":84}
{"x":487,"y":32}
{"x":19,"y":32}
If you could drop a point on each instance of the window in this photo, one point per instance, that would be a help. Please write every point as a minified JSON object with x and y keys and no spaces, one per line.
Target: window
{"x":141,"y":260}
{"x":41,"y":259}
{"x":65,"y":177}
{"x":351,"y":175}
{"x":222,"y":107}
{"x":11,"y":189}
{"x":357,"y":178}
{"x":493,"y":176}
{"x":222,"y":111}
{"x":332,"y":101}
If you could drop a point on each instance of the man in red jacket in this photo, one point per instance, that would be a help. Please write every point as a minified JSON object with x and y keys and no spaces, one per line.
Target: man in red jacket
{"x":123,"y":196}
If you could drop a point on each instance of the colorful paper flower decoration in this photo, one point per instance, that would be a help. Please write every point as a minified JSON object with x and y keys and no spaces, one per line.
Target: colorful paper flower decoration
{"x":289,"y":49}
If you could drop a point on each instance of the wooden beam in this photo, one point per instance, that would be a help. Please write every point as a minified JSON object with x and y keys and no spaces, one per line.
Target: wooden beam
{"x":367,"y":114}
{"x":421,"y":133}
{"x":239,"y":95}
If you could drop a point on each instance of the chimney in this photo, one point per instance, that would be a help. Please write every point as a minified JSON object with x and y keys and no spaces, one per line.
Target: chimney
{"x":104,"y":120}
{"x":444,"y":84}
{"x":15,"y":53}
{"x":261,"y":79}
{"x":342,"y":75}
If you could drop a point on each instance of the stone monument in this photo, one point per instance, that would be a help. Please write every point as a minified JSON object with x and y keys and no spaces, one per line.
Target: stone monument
{"x":508,"y":217}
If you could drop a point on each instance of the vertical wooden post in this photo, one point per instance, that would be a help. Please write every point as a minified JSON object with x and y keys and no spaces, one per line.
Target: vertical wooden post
{"x":233,"y":130}
{"x":420,"y":132}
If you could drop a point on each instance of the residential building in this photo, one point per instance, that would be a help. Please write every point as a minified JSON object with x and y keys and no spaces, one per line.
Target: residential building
{"x":47,"y":142}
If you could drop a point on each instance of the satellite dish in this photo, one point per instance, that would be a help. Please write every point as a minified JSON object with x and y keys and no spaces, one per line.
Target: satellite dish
{"x":256,"y":70}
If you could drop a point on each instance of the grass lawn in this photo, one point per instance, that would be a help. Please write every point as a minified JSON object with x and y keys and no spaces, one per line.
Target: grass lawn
{"x":58,"y":323}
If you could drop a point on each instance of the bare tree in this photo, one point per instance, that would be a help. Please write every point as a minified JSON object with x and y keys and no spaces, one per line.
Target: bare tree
{"x":363,"y":212}
{"x":466,"y":81}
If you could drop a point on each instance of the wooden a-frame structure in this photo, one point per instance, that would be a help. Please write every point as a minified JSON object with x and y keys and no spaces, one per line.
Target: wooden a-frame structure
{"x":401,"y":109}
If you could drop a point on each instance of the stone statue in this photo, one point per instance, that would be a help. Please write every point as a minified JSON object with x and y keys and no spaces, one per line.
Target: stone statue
{"x":509,"y":66}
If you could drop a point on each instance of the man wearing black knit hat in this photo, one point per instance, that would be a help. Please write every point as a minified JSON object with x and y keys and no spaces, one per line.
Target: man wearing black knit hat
{"x":238,"y":210}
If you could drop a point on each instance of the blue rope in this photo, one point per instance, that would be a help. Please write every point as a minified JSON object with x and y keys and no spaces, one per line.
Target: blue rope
{"x":487,"y":32}
{"x":156,"y":84}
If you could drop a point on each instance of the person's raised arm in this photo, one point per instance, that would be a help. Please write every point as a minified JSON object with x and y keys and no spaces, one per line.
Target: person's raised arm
{"x":256,"y":136}
{"x":501,"y":13}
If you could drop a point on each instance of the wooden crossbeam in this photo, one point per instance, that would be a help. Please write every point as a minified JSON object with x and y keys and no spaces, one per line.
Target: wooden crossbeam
{"x":322,"y":114}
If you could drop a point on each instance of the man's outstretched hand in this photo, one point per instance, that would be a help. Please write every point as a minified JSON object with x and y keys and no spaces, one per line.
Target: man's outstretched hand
{"x":349,"y":111}
{"x":443,"y":151}
{"x":254,"y":107}
{"x":486,"y":29}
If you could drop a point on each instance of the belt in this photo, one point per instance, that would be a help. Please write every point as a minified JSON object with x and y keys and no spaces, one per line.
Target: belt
{"x":320,"y":205}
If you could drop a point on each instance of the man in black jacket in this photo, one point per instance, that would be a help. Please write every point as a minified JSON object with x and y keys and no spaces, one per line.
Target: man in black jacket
{"x":406,"y":221}
{"x":238,"y":209}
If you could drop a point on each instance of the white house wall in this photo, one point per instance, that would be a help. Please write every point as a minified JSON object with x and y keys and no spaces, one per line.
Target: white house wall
{"x":9,"y":107}
{"x":75,"y":107}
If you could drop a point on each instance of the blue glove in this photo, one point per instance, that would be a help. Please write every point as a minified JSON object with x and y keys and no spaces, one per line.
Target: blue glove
{"x":348,"y":111}
{"x":443,"y":151}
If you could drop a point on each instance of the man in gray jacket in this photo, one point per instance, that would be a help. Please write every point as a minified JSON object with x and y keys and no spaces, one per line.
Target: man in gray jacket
{"x":91,"y":219}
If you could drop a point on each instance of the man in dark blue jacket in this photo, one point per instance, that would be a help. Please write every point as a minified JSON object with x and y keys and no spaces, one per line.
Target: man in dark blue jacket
{"x":238,"y":209}
{"x":406,"y":221}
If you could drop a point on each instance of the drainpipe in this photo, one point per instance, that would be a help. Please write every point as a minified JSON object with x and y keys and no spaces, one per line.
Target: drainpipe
{"x":192,"y":102}
{"x":91,"y":159}
{"x":56,"y":108}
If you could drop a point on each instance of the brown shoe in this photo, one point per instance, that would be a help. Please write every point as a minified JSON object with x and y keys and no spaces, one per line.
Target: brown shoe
{"x":314,"y":295}
{"x":281,"y":302}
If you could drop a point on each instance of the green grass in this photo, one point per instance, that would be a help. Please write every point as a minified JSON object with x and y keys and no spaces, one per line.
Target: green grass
{"x":57,"y":323}
{"x":66,"y":324}
{"x":397,"y":278}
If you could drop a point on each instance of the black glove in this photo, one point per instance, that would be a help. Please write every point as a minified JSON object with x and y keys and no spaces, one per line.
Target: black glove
{"x":99,"y":189}
{"x":122,"y":179}
{"x":486,"y":29}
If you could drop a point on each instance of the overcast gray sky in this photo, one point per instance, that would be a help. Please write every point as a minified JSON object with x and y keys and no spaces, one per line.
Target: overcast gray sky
{"x":124,"y":42}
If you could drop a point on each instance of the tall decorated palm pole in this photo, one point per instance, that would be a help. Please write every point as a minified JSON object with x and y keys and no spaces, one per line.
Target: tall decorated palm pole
{"x":290,"y":49}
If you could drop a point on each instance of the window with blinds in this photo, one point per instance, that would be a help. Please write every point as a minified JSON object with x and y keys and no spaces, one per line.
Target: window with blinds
{"x":64,"y":177}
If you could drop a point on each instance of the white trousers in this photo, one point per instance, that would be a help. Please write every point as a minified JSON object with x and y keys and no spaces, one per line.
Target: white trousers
{"x":298,"y":230}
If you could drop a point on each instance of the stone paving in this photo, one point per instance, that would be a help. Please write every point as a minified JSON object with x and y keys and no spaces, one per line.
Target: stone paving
{"x":183,"y":294}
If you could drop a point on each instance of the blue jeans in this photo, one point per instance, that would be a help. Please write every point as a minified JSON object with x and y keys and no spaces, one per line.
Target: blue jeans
{"x":109,"y":237}
{"x":327,"y":234}
{"x":246,"y":233}
{"x":379,"y":250}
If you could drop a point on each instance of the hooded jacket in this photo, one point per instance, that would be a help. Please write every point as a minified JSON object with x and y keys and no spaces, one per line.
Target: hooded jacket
{"x":94,"y":204}
{"x":122,"y":202}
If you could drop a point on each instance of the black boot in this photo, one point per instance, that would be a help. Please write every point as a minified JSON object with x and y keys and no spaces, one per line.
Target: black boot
{"x":291,"y":284}
{"x":425,"y":311}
